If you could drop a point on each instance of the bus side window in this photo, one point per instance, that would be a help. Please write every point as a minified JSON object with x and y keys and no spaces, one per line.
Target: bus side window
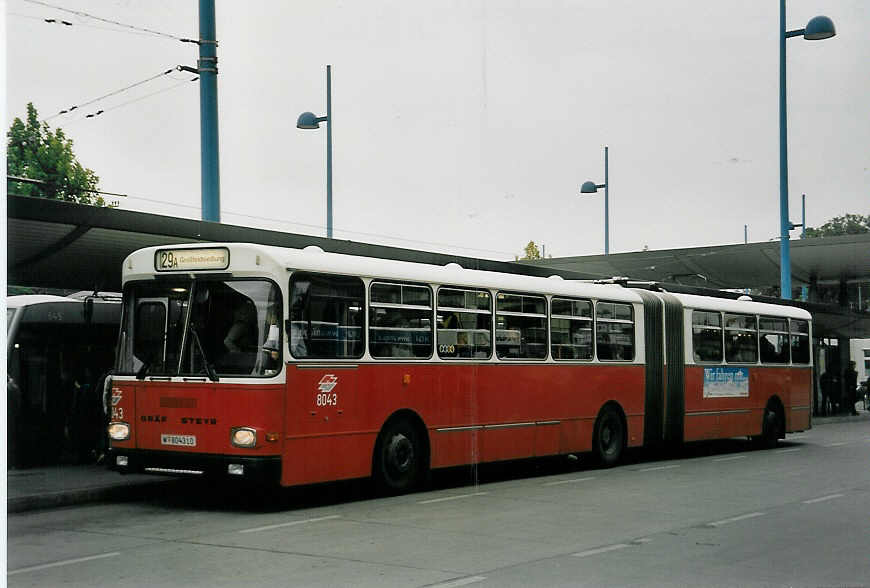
{"x":707,"y":336}
{"x":741,"y":338}
{"x":400,"y":320}
{"x":614,"y":331}
{"x":773,"y":340}
{"x":464,"y":322}
{"x":800,"y":341}
{"x":521,"y":326}
{"x":571,"y":329}
{"x":326,"y":316}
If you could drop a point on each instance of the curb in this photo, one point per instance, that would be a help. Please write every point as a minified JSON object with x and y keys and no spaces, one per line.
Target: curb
{"x":123,"y":493}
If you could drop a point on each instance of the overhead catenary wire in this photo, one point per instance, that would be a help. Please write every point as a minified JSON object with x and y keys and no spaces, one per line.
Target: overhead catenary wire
{"x":115,"y":93}
{"x":140,"y":98}
{"x":113,"y":22}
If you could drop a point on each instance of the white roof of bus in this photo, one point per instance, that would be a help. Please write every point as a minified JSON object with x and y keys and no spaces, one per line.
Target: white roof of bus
{"x":22,"y":300}
{"x":742,"y":306}
{"x":316,"y":260}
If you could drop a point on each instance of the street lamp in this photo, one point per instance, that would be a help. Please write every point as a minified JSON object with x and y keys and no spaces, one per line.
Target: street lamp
{"x":591,"y":188}
{"x":308,"y":120}
{"x":820,"y":27}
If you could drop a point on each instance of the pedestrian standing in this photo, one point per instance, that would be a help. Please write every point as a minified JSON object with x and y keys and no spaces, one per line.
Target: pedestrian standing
{"x":850,"y":381}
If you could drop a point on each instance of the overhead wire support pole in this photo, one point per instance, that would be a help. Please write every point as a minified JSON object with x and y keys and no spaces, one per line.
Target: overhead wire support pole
{"x":208,"y":111}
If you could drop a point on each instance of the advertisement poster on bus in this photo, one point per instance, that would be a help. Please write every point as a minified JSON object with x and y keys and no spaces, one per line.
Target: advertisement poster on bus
{"x":722,"y":382}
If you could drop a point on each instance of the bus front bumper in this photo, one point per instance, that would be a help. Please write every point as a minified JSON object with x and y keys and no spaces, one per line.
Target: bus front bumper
{"x":266,"y":469}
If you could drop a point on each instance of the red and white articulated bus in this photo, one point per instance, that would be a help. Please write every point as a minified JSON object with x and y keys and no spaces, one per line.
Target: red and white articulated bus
{"x":299,"y":366}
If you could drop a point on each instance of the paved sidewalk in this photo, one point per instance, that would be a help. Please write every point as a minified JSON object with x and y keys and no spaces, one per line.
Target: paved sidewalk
{"x":57,"y":486}
{"x":63,"y":485}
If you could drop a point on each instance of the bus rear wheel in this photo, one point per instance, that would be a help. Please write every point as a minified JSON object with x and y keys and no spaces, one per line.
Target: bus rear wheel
{"x":399,"y":460}
{"x":771,"y":429}
{"x":608,"y":441}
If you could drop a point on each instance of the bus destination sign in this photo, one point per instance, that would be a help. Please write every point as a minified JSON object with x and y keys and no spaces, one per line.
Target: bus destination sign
{"x":169,"y":260}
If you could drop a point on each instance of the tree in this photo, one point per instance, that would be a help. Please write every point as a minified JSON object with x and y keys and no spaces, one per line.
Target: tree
{"x":532,"y":252}
{"x":848,"y":224}
{"x":33,"y":151}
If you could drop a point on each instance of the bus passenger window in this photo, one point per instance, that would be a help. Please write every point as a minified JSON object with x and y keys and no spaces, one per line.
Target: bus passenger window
{"x":741,"y":339}
{"x":326,"y":316}
{"x":400,"y":320}
{"x":614,"y":331}
{"x":773,"y":340}
{"x":521,"y":326}
{"x":571,"y":329}
{"x":800,"y":341}
{"x":707,"y":336}
{"x":464,"y":322}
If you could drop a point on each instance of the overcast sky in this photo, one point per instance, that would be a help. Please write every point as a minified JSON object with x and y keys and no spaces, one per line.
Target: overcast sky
{"x":467,"y":126}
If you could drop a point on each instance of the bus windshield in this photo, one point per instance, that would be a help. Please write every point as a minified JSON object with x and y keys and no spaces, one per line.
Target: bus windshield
{"x":201,"y":328}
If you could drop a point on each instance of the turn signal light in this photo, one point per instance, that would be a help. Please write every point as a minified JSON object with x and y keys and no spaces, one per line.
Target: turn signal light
{"x":273,"y":437}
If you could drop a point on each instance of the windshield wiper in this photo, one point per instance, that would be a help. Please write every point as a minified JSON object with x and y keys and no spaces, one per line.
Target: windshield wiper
{"x":209,"y":368}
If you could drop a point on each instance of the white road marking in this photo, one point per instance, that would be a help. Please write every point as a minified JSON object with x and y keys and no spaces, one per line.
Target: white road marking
{"x":788,"y":450}
{"x":459,"y":582}
{"x":62,"y":563}
{"x":589,"y":552}
{"x":823,"y":498}
{"x":730,"y":458}
{"x":290,"y":524}
{"x":446,"y":498}
{"x":735,"y":519}
{"x":667,"y":467}
{"x":641,"y":541}
{"x":836,"y":444}
{"x":569,"y":481}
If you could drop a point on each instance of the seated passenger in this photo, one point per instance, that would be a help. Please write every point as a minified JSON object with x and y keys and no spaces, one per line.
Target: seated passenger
{"x":243,"y":332}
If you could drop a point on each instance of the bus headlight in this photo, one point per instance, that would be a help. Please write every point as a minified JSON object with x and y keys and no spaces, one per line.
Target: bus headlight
{"x":119,"y":431}
{"x":243,"y":437}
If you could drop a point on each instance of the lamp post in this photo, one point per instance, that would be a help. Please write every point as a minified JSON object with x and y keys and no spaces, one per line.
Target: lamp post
{"x":591,"y":188}
{"x":308,"y":120}
{"x":819,"y":27}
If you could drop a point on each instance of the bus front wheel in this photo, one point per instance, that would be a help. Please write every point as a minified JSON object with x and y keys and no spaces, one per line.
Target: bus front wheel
{"x":399,"y":460}
{"x":608,"y":441}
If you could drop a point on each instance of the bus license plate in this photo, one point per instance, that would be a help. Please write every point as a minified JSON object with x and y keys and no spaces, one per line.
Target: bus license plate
{"x":179,"y":440}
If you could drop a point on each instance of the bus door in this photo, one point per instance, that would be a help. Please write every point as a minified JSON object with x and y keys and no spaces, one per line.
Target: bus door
{"x":326,"y":424}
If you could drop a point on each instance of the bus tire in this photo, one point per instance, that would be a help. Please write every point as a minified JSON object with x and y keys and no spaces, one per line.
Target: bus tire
{"x":399,"y":461}
{"x":608,"y":440}
{"x":771,"y":428}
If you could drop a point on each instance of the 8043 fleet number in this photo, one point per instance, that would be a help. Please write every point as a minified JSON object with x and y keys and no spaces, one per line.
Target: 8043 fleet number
{"x":327,"y":399}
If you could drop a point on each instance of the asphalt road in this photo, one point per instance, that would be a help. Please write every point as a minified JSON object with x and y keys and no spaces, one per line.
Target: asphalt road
{"x":712,"y":514}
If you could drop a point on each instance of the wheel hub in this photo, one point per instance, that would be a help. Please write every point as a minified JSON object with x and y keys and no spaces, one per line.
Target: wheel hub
{"x":400,"y":453}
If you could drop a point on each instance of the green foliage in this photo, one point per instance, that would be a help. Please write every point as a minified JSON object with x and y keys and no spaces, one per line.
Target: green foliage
{"x":532,"y":251}
{"x":848,"y":224}
{"x":34,"y":151}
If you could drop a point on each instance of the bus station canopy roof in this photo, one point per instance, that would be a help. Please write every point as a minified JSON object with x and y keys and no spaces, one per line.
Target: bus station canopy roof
{"x":826,"y":260}
{"x":55,"y":244}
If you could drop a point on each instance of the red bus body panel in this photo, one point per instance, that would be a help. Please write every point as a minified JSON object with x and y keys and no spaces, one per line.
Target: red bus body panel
{"x":207,"y":411}
{"x":719,"y":418}
{"x":497,"y":412}
{"x":329,"y":417}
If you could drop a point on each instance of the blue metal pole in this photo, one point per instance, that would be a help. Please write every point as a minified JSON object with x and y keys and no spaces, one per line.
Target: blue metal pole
{"x":207,"y":65}
{"x":784,"y":223}
{"x":329,"y":152}
{"x":606,"y":206}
